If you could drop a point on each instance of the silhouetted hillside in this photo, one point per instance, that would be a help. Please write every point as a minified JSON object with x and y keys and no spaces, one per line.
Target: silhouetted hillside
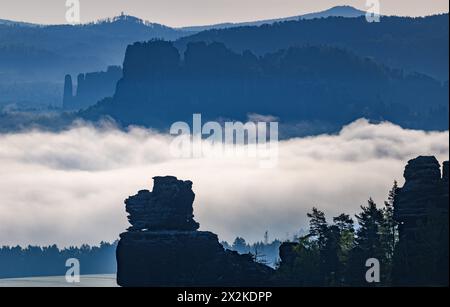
{"x":34,"y":56}
{"x":414,"y":44}
{"x":322,"y":84}
{"x":45,"y":54}
{"x":86,"y":47}
{"x":337,"y":11}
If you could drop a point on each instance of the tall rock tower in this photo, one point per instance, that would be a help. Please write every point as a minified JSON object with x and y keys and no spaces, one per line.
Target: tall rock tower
{"x":164,"y":248}
{"x":421,"y":209}
{"x":68,"y":92}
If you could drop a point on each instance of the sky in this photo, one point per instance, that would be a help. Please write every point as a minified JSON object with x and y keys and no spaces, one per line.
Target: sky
{"x":69,"y":187}
{"x":200,"y":12}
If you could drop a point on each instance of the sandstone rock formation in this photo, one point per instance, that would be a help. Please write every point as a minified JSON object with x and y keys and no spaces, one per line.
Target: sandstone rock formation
{"x":168,"y":207}
{"x":91,"y":88}
{"x":421,"y":209}
{"x":164,"y":248}
{"x":162,"y":84}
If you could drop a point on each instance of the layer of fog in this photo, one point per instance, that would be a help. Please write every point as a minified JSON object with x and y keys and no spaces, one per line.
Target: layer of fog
{"x":68,"y":187}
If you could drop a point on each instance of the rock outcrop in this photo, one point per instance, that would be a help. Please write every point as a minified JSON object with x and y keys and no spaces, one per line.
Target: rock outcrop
{"x":168,"y":207}
{"x":91,"y":88}
{"x":162,"y":84}
{"x":164,"y":248}
{"x":421,"y":209}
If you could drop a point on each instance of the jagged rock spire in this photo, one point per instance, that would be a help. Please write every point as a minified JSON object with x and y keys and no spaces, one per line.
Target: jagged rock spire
{"x":167,"y":207}
{"x":164,"y":248}
{"x":421,"y":209}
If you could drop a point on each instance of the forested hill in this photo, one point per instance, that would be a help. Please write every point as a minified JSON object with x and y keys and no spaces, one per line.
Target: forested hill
{"x":298,"y":84}
{"x":49,"y":52}
{"x":34,"y":59}
{"x":414,"y":44}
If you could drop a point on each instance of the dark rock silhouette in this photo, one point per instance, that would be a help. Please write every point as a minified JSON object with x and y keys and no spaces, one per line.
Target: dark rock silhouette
{"x":68,"y":91}
{"x":168,"y":207}
{"x":421,"y":253}
{"x":163,"y":247}
{"x":287,"y":253}
{"x":445,"y":171}
{"x":91,"y":87}
{"x":296,"y":85}
{"x":421,"y":207}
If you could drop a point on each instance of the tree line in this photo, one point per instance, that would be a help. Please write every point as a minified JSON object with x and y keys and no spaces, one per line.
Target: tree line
{"x":335,"y":254}
{"x":331,"y":253}
{"x":51,"y":261}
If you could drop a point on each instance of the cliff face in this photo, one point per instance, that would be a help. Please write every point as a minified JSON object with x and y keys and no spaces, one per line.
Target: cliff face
{"x":91,"y":87}
{"x":164,"y":248}
{"x":421,"y":253}
{"x":168,"y":207}
{"x":161,"y":86}
{"x":421,"y":209}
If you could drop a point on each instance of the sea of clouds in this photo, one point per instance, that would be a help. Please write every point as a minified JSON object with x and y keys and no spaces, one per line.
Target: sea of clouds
{"x":68,"y":187}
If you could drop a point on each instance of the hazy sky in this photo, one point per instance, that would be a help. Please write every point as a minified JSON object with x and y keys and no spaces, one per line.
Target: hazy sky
{"x":200,"y":12}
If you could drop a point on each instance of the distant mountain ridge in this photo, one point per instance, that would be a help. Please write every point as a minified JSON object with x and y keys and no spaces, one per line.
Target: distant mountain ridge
{"x":337,"y":11}
{"x":412,"y":44}
{"x":74,"y":48}
{"x":35,"y":58}
{"x":16,"y":23}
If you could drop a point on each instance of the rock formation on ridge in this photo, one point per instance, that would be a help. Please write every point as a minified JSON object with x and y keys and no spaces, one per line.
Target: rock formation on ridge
{"x":162,"y":84}
{"x":421,"y":209}
{"x":164,"y":248}
{"x":167,"y":207}
{"x":91,"y":87}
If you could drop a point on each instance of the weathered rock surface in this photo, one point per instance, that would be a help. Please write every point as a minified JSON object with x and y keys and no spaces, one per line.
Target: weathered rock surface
{"x":91,"y":88}
{"x":168,"y":207}
{"x":421,"y":208}
{"x":164,"y":248}
{"x":425,"y":190}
